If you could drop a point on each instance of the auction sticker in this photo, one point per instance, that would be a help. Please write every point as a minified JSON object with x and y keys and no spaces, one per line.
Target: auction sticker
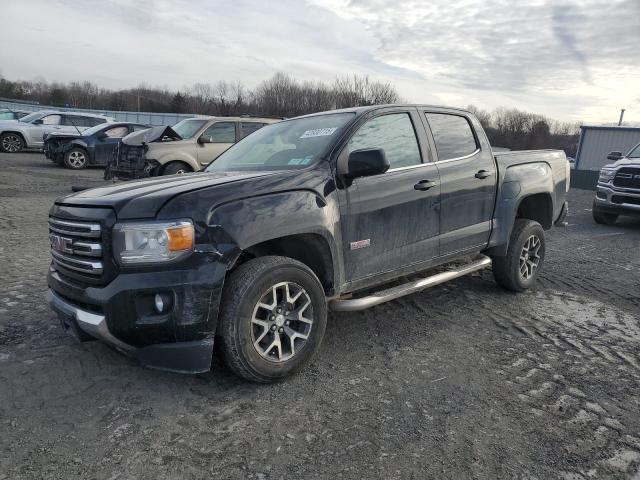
{"x":319,"y":132}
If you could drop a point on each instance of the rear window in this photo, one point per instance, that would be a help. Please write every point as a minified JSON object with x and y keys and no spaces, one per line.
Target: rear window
{"x":453,"y":135}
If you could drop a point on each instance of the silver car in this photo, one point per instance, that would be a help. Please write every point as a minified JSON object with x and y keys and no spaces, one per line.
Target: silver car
{"x":29,"y":131}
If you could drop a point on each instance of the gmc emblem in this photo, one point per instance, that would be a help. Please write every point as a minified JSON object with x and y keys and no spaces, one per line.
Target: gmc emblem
{"x":61,"y":244}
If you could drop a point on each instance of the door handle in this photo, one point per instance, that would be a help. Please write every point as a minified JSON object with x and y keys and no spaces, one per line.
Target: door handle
{"x":424,"y":185}
{"x":482,"y":174}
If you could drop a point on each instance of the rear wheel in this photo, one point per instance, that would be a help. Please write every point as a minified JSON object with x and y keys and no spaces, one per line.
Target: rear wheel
{"x":11,"y":142}
{"x":603,"y":218}
{"x":273,"y":318}
{"x":176,"y":168}
{"x":76,"y":159}
{"x":519,"y":269}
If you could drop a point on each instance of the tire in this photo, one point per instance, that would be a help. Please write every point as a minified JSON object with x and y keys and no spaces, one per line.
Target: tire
{"x":176,"y":168}
{"x":76,"y":159}
{"x":249,"y":314}
{"x":603,"y":218}
{"x":11,"y":142}
{"x":515,"y":271}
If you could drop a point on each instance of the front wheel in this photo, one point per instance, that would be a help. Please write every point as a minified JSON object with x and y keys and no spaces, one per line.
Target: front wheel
{"x":11,"y":143}
{"x":273,"y":318}
{"x":76,"y":159}
{"x":519,"y":269}
{"x":176,"y":168}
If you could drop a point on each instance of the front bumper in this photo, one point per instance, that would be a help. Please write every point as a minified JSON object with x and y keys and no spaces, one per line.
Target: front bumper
{"x":617,"y":200}
{"x":182,"y":357}
{"x":121,"y":313}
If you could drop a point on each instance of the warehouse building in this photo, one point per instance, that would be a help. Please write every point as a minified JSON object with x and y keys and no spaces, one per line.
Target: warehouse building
{"x":593,"y":147}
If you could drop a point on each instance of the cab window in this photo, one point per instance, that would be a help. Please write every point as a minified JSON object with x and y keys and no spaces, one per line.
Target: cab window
{"x":221,"y":132}
{"x":394,"y":133}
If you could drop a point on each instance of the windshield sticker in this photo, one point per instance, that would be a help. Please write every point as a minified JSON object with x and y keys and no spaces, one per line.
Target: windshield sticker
{"x":319,"y":132}
{"x":300,"y":161}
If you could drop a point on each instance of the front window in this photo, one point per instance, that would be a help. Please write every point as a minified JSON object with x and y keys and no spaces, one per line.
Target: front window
{"x":393,"y":133}
{"x":188,"y":128}
{"x":221,"y":132}
{"x":635,"y":153}
{"x":90,"y":131}
{"x":6,"y":116}
{"x":52,"y":120}
{"x":31,"y":117}
{"x":288,"y":145}
{"x":117,"y":132}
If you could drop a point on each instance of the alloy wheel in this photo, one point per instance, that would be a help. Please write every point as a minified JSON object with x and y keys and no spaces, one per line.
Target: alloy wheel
{"x":281,"y":322}
{"x":77,"y":159}
{"x":530,"y":257}
{"x":11,"y":143}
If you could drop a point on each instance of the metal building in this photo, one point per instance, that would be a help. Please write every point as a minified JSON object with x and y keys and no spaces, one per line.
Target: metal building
{"x":597,"y":141}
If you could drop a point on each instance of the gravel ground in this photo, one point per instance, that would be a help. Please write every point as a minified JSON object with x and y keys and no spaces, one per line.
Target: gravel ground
{"x":461,"y":381}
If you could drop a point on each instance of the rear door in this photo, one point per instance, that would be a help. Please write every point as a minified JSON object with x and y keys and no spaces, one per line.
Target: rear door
{"x":222,"y":136}
{"x":468,"y":181}
{"x":391,"y":220}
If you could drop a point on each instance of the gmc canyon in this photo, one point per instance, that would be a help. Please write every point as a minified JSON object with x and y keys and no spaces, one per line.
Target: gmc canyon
{"x":338,"y":210}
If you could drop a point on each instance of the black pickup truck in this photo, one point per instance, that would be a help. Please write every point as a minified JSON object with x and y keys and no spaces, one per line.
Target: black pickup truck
{"x":343,"y":210}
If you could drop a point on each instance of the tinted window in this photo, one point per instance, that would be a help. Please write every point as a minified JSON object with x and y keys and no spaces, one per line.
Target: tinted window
{"x":76,"y":121}
{"x":117,"y":132}
{"x":394,"y":133}
{"x":92,"y":121}
{"x":51,"y":120}
{"x":6,"y":116}
{"x":452,"y":134}
{"x":247,"y":128}
{"x":221,"y":132}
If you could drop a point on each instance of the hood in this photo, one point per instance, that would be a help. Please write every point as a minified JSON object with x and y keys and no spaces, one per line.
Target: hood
{"x":624,"y":162}
{"x":151,"y":135}
{"x":143,"y":198}
{"x":61,"y":136}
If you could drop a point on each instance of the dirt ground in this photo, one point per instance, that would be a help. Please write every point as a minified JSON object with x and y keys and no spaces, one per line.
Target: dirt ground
{"x":461,"y":381}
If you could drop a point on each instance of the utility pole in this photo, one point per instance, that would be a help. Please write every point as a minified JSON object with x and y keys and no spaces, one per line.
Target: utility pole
{"x":621,"y":116}
{"x":138,"y":101}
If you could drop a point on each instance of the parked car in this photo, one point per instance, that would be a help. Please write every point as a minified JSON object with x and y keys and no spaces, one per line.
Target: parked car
{"x":7,"y":114}
{"x":29,"y":131}
{"x":94,"y":146}
{"x":299,"y":216}
{"x":618,"y":189}
{"x":186,"y":147}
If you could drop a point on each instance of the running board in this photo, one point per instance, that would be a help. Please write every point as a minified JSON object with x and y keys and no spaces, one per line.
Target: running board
{"x":355,"y":304}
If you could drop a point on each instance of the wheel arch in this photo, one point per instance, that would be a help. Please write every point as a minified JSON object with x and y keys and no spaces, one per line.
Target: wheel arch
{"x":16,"y":132}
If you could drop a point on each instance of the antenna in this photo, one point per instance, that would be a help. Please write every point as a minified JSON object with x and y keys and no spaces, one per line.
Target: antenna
{"x":621,"y":116}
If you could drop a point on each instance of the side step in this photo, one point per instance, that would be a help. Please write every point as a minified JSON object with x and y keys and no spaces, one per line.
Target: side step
{"x":355,"y":304}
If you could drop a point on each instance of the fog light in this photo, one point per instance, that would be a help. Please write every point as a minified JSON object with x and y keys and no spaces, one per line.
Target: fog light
{"x":160,"y":303}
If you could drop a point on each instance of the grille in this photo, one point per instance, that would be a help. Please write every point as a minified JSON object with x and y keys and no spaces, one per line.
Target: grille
{"x":627,"y":178}
{"x":76,"y":246}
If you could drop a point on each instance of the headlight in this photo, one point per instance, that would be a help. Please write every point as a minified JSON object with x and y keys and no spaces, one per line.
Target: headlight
{"x":606,"y":175}
{"x":152,"y":242}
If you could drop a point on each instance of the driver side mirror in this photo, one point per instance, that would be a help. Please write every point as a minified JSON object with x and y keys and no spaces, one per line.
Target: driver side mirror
{"x":202,"y":139}
{"x":614,"y":156}
{"x":367,"y":162}
{"x":37,"y":122}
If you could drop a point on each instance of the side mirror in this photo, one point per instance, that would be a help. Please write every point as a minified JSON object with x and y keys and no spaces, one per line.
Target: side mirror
{"x":37,"y":122}
{"x":202,"y":139}
{"x":614,"y":156}
{"x":101,"y":136}
{"x":368,"y":162}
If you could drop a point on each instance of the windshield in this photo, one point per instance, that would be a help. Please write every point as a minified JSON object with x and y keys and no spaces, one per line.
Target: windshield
{"x":288,"y":145}
{"x":32,"y":116}
{"x":188,"y":128}
{"x":635,"y":153}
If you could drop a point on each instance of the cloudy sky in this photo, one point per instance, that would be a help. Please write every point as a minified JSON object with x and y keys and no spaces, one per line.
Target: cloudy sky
{"x":571,"y":60}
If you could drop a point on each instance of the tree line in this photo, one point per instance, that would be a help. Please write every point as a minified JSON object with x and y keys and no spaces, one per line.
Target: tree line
{"x":283,"y":96}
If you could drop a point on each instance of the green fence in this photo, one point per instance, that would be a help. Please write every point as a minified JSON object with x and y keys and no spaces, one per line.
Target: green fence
{"x":584,"y":179}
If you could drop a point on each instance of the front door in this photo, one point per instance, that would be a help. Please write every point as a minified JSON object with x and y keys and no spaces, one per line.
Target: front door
{"x":105,"y":144}
{"x":220,"y":136}
{"x":468,"y":182}
{"x":390,"y":220}
{"x":48,"y":124}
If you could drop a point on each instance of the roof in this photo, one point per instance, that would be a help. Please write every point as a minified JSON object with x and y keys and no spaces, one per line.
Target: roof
{"x":362,"y":110}
{"x":235,"y":119}
{"x":611,"y":127}
{"x":68,"y":112}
